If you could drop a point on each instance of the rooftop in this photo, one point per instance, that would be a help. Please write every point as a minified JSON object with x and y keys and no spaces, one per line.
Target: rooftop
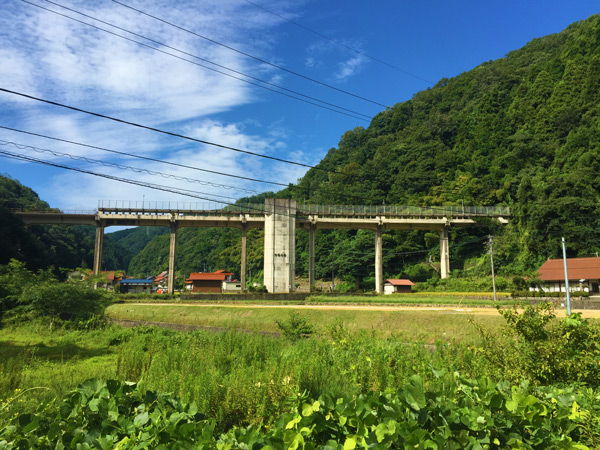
{"x":219,"y":275}
{"x":400,"y":282}
{"x":578,"y":268}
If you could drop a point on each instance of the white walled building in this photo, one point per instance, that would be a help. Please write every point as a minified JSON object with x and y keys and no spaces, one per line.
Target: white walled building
{"x":584,"y":275}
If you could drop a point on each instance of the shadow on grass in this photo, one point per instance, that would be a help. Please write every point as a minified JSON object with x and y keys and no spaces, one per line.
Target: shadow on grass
{"x":52,"y":353}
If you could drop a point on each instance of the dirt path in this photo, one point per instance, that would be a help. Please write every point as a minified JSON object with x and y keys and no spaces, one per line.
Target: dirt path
{"x":452,"y":309}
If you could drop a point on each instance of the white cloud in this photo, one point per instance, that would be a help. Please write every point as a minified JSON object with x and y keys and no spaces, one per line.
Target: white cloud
{"x":322,"y":53}
{"x":76,"y":189}
{"x":349,"y":67}
{"x":61,"y":60}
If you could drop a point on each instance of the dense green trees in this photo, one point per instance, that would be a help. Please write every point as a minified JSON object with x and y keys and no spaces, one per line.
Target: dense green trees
{"x":28,"y":295}
{"x":42,"y":246}
{"x":522,"y":131}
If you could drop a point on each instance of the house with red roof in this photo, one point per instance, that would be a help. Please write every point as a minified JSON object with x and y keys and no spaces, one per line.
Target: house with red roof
{"x":162,"y":279}
{"x":394,"y":286}
{"x":584,"y":275}
{"x":208,"y":282}
{"x":112,"y":279}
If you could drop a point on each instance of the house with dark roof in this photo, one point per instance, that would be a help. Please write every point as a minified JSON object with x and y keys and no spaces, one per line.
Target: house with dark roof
{"x":584,"y":275}
{"x":394,"y":286}
{"x":208,"y":282}
{"x":136,"y":286}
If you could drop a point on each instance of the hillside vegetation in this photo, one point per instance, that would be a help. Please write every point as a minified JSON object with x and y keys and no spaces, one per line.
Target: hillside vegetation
{"x":522,"y":131}
{"x":42,"y":246}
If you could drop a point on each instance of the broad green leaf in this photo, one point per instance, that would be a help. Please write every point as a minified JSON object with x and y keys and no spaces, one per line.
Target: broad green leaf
{"x":307,"y":409}
{"x":141,"y":419}
{"x":350,"y":443}
{"x":381,"y":431}
{"x":414,"y":394}
{"x":292,"y":423}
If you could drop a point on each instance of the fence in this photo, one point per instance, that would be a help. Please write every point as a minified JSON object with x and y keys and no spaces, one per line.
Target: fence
{"x":323,"y":210}
{"x":394,"y":210}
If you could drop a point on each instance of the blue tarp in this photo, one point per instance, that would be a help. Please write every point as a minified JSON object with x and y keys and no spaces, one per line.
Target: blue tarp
{"x":136,"y":281}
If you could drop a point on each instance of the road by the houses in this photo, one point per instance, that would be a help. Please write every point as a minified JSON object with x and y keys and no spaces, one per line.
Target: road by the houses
{"x":451,"y":309}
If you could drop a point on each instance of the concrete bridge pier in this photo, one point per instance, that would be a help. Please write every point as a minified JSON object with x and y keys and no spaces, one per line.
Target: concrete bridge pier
{"x":243,"y":261}
{"x":378,"y":260}
{"x":444,"y":253}
{"x":280,"y":245}
{"x":172,"y":245}
{"x":99,"y":243}
{"x":311,"y":256}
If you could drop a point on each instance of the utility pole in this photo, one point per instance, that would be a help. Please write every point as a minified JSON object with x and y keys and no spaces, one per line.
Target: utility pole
{"x":566,"y":278}
{"x":492,"y":262}
{"x":332,"y":273}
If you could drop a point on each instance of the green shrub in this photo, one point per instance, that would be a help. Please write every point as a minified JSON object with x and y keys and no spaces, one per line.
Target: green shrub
{"x":14,"y":278}
{"x":544,"y":294}
{"x":261,"y":289}
{"x":64,"y":301}
{"x":295,"y":327}
{"x":419,"y":272}
{"x":464,"y":284}
{"x":538,"y":347}
{"x":452,"y":413}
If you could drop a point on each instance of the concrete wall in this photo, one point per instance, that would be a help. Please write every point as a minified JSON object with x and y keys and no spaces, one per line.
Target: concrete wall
{"x":231,"y":286}
{"x":280,"y":245}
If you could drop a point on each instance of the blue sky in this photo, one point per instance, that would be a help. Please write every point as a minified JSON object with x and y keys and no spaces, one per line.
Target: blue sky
{"x":55,"y":58}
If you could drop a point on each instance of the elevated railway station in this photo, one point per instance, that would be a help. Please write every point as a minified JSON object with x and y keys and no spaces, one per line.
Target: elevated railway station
{"x":280,"y":218}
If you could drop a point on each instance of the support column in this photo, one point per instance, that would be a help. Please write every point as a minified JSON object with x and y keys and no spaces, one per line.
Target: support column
{"x":444,"y":253}
{"x":98,"y":246}
{"x":311,"y":256}
{"x":243,"y":263}
{"x":280,"y":245}
{"x":378,"y":261}
{"x":172,"y":245}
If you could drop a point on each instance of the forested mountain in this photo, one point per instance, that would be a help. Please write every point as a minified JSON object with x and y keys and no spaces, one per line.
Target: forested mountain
{"x":522,"y":131}
{"x":42,"y":246}
{"x":39,"y":246}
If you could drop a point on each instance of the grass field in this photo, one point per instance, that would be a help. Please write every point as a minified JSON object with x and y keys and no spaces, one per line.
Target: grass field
{"x":44,"y":365}
{"x":420,"y":298}
{"x":415,"y":326}
{"x":241,"y":379}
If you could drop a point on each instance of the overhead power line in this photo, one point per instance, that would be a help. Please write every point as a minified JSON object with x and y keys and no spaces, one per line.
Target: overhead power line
{"x":168,"y":133}
{"x":124,"y":167}
{"x":341,"y":44}
{"x":252,"y":56}
{"x":114,"y":178}
{"x":157,"y":187}
{"x":333,"y":107}
{"x":144,"y":157}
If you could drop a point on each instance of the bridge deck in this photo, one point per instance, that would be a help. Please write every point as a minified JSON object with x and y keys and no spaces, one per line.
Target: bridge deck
{"x":253,"y":215}
{"x":179,"y":208}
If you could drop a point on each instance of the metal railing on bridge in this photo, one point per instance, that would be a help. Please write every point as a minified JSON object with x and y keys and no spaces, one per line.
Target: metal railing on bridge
{"x":194,"y":208}
{"x":178,"y":207}
{"x":54,"y":211}
{"x":395,"y":210}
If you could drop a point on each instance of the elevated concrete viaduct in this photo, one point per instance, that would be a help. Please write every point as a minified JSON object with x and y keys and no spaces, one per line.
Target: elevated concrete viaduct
{"x":279,"y":218}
